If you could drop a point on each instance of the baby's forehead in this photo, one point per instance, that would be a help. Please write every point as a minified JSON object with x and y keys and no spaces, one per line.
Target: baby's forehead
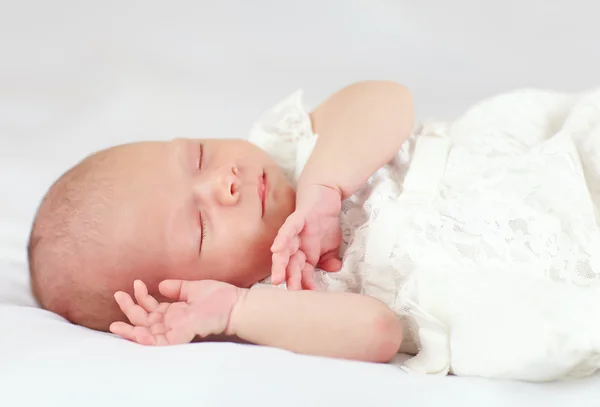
{"x":137,"y":151}
{"x":128,"y":166}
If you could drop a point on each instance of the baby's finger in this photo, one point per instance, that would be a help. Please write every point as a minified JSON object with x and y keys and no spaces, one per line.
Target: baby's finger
{"x":330,"y":262}
{"x":311,"y":245}
{"x":137,"y":334}
{"x":294,"y":245}
{"x":136,"y":314}
{"x":175,"y":289}
{"x":308,"y":278}
{"x":291,"y":227}
{"x":163,"y":307}
{"x":158,"y":329}
{"x":294,"y":271}
{"x":143,"y":336}
{"x":144,"y":299}
{"x":280,"y":262}
{"x":331,"y":265}
{"x":294,"y":282}
{"x":123,"y":329}
{"x":161,"y":340}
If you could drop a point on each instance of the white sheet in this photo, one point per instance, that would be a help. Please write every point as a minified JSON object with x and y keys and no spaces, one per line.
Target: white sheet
{"x":75,"y":77}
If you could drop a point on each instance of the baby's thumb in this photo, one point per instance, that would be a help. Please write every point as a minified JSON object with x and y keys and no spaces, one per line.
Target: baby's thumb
{"x":174,"y":289}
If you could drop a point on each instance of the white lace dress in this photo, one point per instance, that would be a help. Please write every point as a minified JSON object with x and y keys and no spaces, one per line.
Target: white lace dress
{"x":481,"y":235}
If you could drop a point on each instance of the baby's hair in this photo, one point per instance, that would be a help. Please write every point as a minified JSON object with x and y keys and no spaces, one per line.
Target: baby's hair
{"x":67,"y":245}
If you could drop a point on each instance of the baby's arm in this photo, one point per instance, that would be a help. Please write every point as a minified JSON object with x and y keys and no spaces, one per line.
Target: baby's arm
{"x":360,"y":129}
{"x":339,"y":325}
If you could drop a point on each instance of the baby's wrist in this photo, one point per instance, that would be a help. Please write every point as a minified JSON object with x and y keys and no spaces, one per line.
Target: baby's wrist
{"x":305,"y":183}
{"x":328,"y":192}
{"x":234,"y":316}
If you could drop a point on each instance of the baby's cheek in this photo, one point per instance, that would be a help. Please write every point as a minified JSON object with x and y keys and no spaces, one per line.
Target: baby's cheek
{"x":189,"y":270}
{"x":256,"y":243}
{"x":243,"y":256}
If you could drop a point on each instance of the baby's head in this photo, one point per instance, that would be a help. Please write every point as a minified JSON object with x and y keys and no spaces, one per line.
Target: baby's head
{"x":183,"y":209}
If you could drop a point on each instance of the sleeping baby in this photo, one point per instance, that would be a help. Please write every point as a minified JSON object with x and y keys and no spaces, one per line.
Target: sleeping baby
{"x":345,"y":232}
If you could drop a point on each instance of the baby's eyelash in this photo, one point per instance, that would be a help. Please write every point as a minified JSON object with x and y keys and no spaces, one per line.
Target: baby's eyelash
{"x":201,"y":155}
{"x":203,"y":227}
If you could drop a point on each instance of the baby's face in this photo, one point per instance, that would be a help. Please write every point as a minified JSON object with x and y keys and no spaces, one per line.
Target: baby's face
{"x":202,"y":209}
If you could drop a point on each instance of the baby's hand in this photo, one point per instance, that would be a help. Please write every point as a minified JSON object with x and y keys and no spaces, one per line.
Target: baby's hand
{"x":200,"y":308}
{"x":310,"y":237}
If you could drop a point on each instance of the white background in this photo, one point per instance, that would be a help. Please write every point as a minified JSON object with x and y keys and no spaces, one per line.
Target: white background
{"x":76,"y":76}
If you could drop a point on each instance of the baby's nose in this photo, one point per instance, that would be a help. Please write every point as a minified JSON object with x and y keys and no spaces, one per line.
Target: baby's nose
{"x":227,"y":188}
{"x":217,"y":186}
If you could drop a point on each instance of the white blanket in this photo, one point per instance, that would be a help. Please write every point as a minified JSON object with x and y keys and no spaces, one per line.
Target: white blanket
{"x":531,"y":116}
{"x":514,"y":322}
